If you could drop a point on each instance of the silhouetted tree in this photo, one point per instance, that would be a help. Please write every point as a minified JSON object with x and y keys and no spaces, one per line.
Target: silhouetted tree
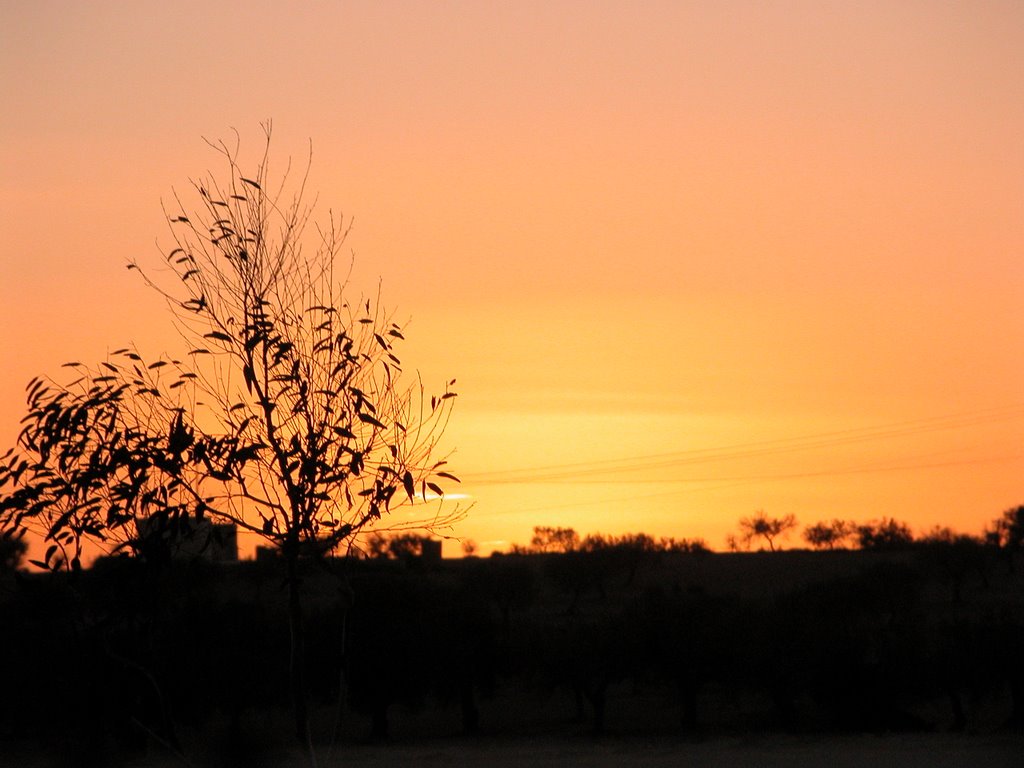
{"x":12,"y":550}
{"x":405,"y":545}
{"x":955,"y":556}
{"x":884,"y":534}
{"x":685,"y":642}
{"x":375,"y":546}
{"x":396,"y":546}
{"x":627,"y":552}
{"x":768,"y":528}
{"x":508,"y":582}
{"x":550,"y":539}
{"x":1007,"y":533}
{"x":829,"y":535}
{"x":287,"y":415}
{"x":694,"y":546}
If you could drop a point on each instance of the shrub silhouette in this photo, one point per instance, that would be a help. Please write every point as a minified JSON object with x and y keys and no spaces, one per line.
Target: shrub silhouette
{"x":885,"y":534}
{"x":830,"y":535}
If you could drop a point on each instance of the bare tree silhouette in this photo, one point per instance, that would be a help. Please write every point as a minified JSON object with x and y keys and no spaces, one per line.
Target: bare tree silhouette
{"x":768,"y":528}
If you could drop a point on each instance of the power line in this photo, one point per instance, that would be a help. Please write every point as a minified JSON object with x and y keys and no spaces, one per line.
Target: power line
{"x":733,"y":482}
{"x":576,"y":471}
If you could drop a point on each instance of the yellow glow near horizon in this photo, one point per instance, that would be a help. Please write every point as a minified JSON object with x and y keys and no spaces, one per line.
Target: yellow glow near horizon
{"x":628,"y":232}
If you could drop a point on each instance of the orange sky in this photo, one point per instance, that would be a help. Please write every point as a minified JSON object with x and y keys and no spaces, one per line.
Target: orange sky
{"x":636,"y":235}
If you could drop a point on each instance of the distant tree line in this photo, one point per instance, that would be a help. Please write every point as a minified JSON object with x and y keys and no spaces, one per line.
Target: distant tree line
{"x":548,"y":539}
{"x":1006,"y":533}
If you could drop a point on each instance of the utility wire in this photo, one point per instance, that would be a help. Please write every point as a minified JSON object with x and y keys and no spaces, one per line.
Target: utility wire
{"x":577,"y":471}
{"x":738,"y":481}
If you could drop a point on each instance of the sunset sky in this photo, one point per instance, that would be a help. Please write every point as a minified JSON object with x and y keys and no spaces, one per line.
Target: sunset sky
{"x":686,"y":260}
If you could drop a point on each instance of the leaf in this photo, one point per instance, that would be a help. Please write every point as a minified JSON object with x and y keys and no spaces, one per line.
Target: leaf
{"x":218,"y":335}
{"x":407,"y":483}
{"x":435,"y":488}
{"x":255,"y":340}
{"x":355,"y":466}
{"x":249,"y":452}
{"x":447,"y":476}
{"x":368,"y":419}
{"x":250,"y":182}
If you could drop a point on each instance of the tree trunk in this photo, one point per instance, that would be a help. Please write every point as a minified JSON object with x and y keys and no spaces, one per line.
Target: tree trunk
{"x":297,"y":657}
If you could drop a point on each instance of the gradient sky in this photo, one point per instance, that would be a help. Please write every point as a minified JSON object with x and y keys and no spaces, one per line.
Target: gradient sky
{"x":687,"y":260}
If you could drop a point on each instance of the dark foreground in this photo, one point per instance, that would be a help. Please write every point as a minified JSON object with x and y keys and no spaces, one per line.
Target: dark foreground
{"x":609,"y":658}
{"x":897,"y":751}
{"x":933,"y":751}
